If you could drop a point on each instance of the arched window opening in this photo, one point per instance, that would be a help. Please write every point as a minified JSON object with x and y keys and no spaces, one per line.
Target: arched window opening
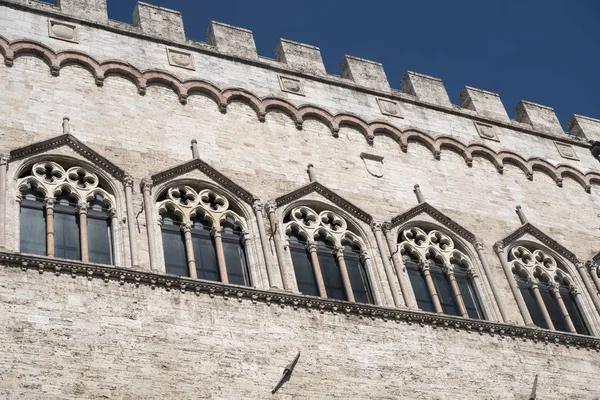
{"x":548,"y":291}
{"x":33,"y":221}
{"x":441,"y":276}
{"x":76,"y":218}
{"x":328,"y":258}
{"x":211,"y":238}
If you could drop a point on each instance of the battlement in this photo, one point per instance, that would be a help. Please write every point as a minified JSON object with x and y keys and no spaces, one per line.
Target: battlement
{"x":164,"y":24}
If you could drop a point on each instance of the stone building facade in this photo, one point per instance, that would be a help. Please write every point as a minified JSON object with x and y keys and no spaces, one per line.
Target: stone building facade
{"x":179,"y":219}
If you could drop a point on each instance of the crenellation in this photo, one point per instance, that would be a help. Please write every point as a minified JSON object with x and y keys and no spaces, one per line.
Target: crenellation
{"x":300,"y":56}
{"x":539,"y":116}
{"x":485,"y":103}
{"x":364,"y":72}
{"x":584,"y":127}
{"x":425,"y":88}
{"x":93,"y":10}
{"x":158,"y":21}
{"x":232,"y":40}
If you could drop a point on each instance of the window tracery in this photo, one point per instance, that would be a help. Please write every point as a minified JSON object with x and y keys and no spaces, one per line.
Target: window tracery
{"x":442,"y":276}
{"x":328,"y":258}
{"x":549,"y":292}
{"x":203,"y":237}
{"x":78,"y":214}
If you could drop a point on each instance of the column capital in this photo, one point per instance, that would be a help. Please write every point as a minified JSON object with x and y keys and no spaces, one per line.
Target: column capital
{"x":186,"y":227}
{"x":376,"y":226}
{"x":49,"y":202}
{"x":244,"y":237}
{"x":364,"y":256}
{"x":128,"y":181}
{"x":257,"y":205}
{"x":579,"y":264}
{"x":448,"y":269}
{"x":478,"y":244}
{"x":338,"y":251}
{"x":82,"y":208}
{"x":499,"y":247}
{"x":424,"y":265}
{"x":112,"y":212}
{"x":4,"y":158}
{"x":19,"y":197}
{"x":574,"y":290}
{"x":216,"y":231}
{"x":146,"y":184}
{"x":311,"y":247}
{"x":531,"y":283}
{"x":270,"y":207}
{"x":386,"y":227}
{"x":553,"y":287}
{"x":471,"y":273}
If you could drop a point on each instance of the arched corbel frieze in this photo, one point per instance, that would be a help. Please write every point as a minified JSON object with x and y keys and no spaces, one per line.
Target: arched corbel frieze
{"x":222,"y":97}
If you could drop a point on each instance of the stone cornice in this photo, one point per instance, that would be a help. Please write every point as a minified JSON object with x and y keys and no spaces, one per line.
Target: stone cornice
{"x":190,"y":45}
{"x":132,"y":278}
{"x":208,"y":170}
{"x":426,"y":208}
{"x":328,"y":194}
{"x":70,"y":141}
{"x":528,"y":228}
{"x":261,"y":106}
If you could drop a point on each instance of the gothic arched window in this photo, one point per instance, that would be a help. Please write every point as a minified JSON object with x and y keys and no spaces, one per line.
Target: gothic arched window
{"x":548,"y":291}
{"x":65,"y":213}
{"x":203,"y":237}
{"x":441,"y":276}
{"x":328,"y":258}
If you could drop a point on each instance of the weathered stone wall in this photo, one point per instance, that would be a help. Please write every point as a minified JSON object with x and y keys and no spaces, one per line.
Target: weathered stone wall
{"x":66,"y":338}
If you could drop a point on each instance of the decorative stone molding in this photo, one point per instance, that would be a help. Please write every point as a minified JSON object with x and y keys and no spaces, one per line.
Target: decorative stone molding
{"x":209,"y":171}
{"x":131,"y":279}
{"x":328,"y":194}
{"x":538,"y":264}
{"x":426,"y":208}
{"x":63,"y":31}
{"x":223,"y":97}
{"x":566,"y":151}
{"x":486,"y":131}
{"x":291,"y":85}
{"x":552,"y":244}
{"x":72,"y":142}
{"x":181,"y":59}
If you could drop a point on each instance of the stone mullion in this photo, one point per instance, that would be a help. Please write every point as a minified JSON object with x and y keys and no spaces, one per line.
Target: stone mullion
{"x":49,"y":203}
{"x":146,"y":186}
{"x":400,"y":268}
{"x":588,"y":285}
{"x":425,"y":267}
{"x":386,"y":263}
{"x":116,"y":249}
{"x":186,"y":228}
{"x":556,"y":293}
{"x":128,"y":183}
{"x":3,"y":167}
{"x":83,"y":231}
{"x":216,"y":233}
{"x":456,"y":292}
{"x":339,"y":253}
{"x":312,"y":250}
{"x":271,"y":275}
{"x":279,"y":248}
{"x":499,"y":249}
{"x":371,"y":274}
{"x":495,"y":292}
{"x":541,"y":304}
{"x":594,"y":270}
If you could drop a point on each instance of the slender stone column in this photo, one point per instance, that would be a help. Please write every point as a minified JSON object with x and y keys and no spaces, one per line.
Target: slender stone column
{"x":424,"y":265}
{"x":366,"y":259}
{"x":216,"y":234}
{"x":538,"y":297}
{"x":114,"y":228}
{"x":488,"y":274}
{"x":556,"y":293}
{"x":312,"y":250}
{"x":409,"y":300}
{"x":49,"y":203}
{"x":449,"y":271}
{"x":186,"y":228}
{"x":419,"y":195}
{"x":339,"y":253}
{"x":128,"y":183}
{"x":499,"y":249}
{"x":588,"y":285}
{"x":279,"y":250}
{"x":595,"y":273}
{"x":312,"y":176}
{"x":83,"y":231}
{"x":521,"y":215}
{"x":195,"y":152}
{"x":3,"y":166}
{"x":145,"y":186}
{"x":386,"y":263}
{"x":264,"y":241}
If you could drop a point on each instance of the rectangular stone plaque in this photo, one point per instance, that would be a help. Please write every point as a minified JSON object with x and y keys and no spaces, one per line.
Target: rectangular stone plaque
{"x":63,"y":31}
{"x":389,"y":107}
{"x":566,"y":151}
{"x":486,"y":131}
{"x":181,"y":59}
{"x":291,"y":85}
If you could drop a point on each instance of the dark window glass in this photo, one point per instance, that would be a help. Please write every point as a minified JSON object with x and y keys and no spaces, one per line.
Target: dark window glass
{"x":332,"y":277}
{"x":443,"y":288}
{"x":419,"y":286}
{"x":33,"y":224}
{"x":556,"y":315}
{"x":66,"y":229}
{"x":532,"y":305}
{"x":303,"y":269}
{"x":174,"y":246}
{"x":205,"y":253}
{"x":235,"y":255}
{"x":99,"y":234}
{"x":574,"y":311}
{"x":469,"y":295}
{"x":358,"y":275}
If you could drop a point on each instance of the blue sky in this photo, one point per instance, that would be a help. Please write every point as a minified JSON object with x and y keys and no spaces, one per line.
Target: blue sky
{"x":544,"y":51}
